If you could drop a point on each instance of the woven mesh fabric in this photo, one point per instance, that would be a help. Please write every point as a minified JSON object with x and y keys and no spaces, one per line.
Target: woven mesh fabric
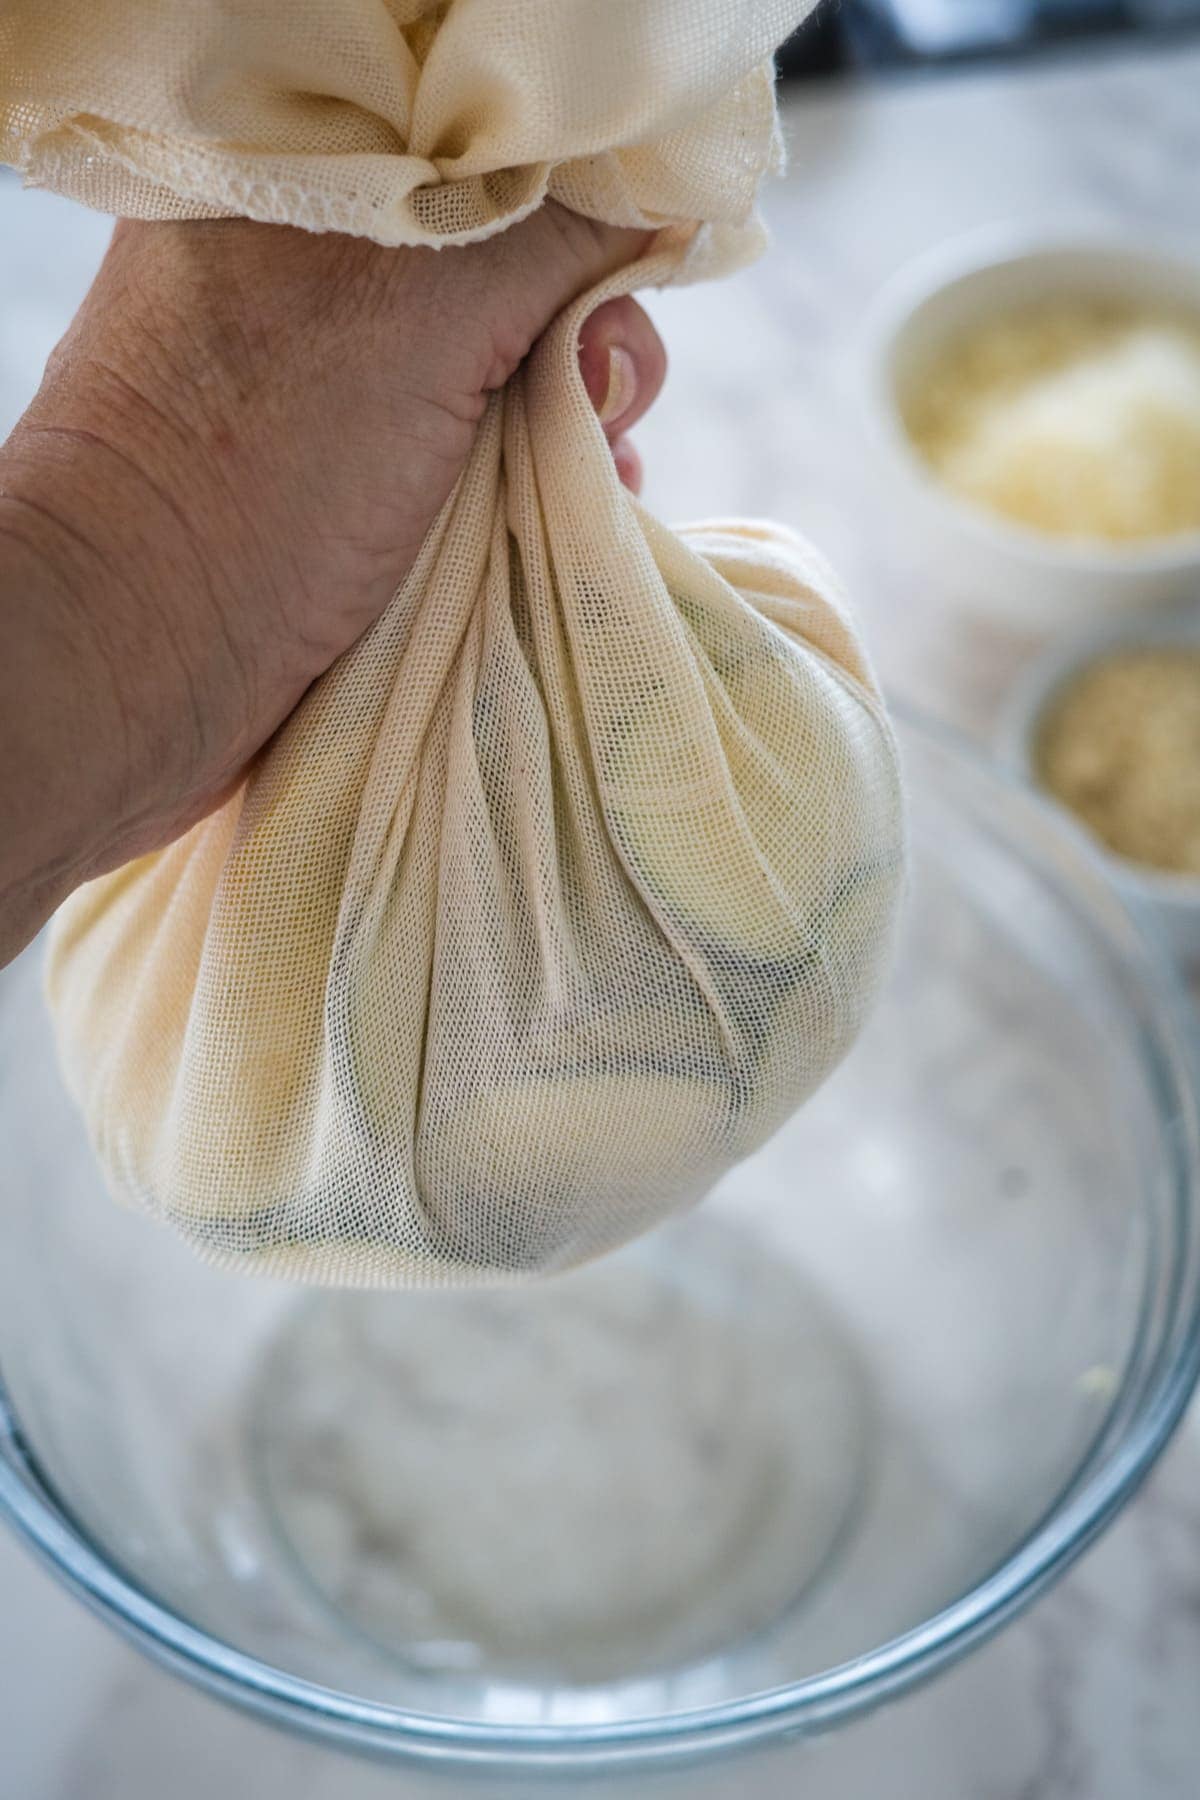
{"x":563,"y":888}
{"x":406,"y":121}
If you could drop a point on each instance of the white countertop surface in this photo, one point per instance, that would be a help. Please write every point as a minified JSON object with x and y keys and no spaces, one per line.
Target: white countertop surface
{"x":1093,"y":1695}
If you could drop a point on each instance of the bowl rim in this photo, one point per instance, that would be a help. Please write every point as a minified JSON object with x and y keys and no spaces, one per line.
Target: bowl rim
{"x":1035,"y":690}
{"x":945,"y":265}
{"x":1093,"y":1497}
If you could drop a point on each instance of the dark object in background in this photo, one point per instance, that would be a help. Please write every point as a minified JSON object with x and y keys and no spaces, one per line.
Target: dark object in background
{"x":849,"y":34}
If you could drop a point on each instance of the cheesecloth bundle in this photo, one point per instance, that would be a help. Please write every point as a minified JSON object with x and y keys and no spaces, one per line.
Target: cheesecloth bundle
{"x":576,"y":874}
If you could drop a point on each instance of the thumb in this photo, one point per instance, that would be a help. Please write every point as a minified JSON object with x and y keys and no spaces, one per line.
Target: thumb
{"x":526,"y":275}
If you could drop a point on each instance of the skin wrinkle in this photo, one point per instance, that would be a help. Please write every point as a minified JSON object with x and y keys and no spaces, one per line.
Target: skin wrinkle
{"x":188,"y":440}
{"x":127,"y":815}
{"x":124,"y":818}
{"x":103,"y":649}
{"x":216,"y":614}
{"x":140,"y":399}
{"x":213,"y":364}
{"x":47,"y":876}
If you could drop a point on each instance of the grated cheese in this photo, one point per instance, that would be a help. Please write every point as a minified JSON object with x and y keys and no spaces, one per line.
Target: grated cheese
{"x":1076,"y":417}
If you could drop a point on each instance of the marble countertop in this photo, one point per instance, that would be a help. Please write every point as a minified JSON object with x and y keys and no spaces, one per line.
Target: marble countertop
{"x":1092,"y":1695}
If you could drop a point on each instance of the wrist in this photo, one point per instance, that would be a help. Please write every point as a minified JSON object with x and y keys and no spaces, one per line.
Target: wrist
{"x":134,"y":689}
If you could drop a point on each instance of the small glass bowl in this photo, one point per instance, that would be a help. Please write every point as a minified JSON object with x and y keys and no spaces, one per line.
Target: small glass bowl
{"x":784,"y":1458}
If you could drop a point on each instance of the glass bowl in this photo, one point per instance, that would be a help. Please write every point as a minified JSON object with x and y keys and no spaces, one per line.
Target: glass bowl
{"x":790,"y":1454}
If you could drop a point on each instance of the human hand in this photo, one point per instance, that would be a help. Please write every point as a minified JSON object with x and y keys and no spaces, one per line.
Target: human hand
{"x":230,"y":466}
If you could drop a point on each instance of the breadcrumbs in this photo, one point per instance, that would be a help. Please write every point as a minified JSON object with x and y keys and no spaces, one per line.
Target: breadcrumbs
{"x":1120,"y":745}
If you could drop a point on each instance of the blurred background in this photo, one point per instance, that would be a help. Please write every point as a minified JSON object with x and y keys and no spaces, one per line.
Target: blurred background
{"x":882,"y":34}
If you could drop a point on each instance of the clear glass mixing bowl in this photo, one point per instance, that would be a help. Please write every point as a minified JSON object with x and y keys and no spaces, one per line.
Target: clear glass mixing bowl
{"x":749,"y":1477}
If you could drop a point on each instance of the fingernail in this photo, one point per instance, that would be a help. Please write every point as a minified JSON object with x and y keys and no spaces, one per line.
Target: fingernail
{"x":622,"y":385}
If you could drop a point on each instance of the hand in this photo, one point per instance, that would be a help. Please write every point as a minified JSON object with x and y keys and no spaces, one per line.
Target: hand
{"x":231,"y":464}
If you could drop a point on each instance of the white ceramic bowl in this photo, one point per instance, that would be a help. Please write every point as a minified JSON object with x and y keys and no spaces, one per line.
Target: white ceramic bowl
{"x":1025,"y":577}
{"x":1174,"y":900}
